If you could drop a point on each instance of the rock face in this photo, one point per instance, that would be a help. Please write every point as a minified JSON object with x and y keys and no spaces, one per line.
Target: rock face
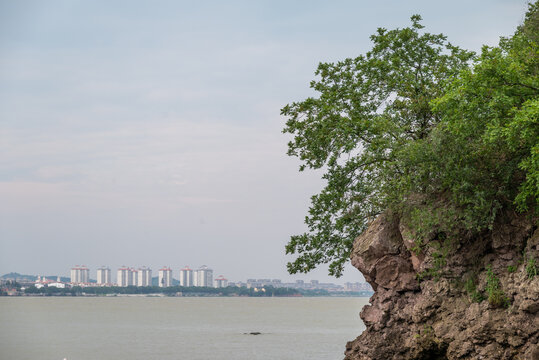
{"x":448,"y":314}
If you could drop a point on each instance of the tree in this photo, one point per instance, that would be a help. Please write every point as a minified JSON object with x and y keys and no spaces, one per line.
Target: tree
{"x":493,"y":110}
{"x":421,"y":129}
{"x":369,"y":110}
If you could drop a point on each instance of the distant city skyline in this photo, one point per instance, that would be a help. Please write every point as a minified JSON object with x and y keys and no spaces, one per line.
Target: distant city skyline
{"x":83,"y":274}
{"x":152,"y":134}
{"x":165,"y":279}
{"x":141,"y":276}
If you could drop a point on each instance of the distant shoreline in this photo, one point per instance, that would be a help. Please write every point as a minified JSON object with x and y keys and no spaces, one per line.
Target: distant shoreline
{"x":173,"y":291}
{"x":170,"y":296}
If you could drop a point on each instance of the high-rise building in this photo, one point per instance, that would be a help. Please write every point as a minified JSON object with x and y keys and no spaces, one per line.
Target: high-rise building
{"x":186,"y":276}
{"x":165,"y":277}
{"x":220,"y":282}
{"x":203,"y":276}
{"x":133,"y":277}
{"x":123,"y":276}
{"x":103,"y":276}
{"x":80,"y":274}
{"x":75,"y":277}
{"x":144,"y":276}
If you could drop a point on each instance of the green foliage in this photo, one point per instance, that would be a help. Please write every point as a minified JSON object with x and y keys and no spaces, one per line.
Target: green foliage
{"x":419,"y":127}
{"x":511,"y":269}
{"x":428,"y":225}
{"x":491,"y":115}
{"x":471,"y":288}
{"x":531,"y":267}
{"x":495,"y":294}
{"x":368,"y":111}
{"x":439,"y":249}
{"x":13,"y":284}
{"x":430,"y":273}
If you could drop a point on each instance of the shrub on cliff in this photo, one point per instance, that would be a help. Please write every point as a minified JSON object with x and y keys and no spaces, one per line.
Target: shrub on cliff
{"x":491,"y":114}
{"x":413,"y":121}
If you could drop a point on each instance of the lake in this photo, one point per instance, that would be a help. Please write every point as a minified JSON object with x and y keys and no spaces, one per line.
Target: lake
{"x":80,"y":328}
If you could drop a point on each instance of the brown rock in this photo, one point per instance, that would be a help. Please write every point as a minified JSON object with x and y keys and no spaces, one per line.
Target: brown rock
{"x":408,"y":241}
{"x":529,"y":306}
{"x":379,"y":253}
{"x":436,"y":319}
{"x":393,"y":272}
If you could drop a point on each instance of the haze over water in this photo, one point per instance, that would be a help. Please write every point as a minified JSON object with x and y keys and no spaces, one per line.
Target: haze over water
{"x":177,"y":328}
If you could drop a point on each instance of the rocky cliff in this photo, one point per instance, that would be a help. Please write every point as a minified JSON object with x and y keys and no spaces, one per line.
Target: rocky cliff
{"x":472,"y":298}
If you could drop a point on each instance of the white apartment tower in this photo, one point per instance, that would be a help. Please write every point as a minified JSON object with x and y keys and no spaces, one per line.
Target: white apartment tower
{"x":75,"y":275}
{"x":186,"y":276}
{"x":80,"y":274}
{"x":203,"y":276}
{"x":220,"y":282}
{"x":144,"y":276}
{"x":103,"y":276}
{"x":133,"y":277}
{"x":123,"y":276}
{"x":165,"y":277}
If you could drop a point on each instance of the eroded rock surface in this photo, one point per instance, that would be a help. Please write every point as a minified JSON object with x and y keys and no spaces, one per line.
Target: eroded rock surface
{"x":437,"y":318}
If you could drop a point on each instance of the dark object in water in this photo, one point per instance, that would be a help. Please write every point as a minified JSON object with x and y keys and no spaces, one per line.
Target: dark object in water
{"x":253,"y":333}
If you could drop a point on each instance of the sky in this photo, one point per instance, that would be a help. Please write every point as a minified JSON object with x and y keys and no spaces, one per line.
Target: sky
{"x":146,"y":133}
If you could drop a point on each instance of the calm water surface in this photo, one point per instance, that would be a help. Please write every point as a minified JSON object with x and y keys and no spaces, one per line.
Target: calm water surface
{"x":177,"y":328}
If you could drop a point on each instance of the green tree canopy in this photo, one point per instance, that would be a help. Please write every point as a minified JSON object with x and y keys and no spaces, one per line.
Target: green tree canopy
{"x":414,"y":120}
{"x":492,"y":110}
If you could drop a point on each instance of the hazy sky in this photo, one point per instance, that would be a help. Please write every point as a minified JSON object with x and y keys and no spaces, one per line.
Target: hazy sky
{"x":148,"y":133}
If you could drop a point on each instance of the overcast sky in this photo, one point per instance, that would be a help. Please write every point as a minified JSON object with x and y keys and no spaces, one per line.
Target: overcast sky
{"x":148,"y":133}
